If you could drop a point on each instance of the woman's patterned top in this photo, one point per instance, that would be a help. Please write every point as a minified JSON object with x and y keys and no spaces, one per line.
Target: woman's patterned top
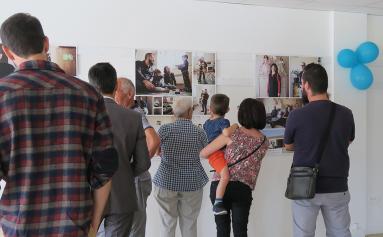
{"x":247,"y":170}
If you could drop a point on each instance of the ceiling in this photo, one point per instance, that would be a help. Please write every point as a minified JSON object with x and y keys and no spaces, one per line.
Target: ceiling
{"x":374,"y":7}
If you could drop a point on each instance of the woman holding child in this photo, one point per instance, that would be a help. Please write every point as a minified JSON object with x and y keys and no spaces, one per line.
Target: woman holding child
{"x":246,"y":146}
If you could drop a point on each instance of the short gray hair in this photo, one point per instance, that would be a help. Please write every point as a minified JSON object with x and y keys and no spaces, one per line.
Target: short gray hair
{"x":126,"y":84}
{"x":182,"y":105}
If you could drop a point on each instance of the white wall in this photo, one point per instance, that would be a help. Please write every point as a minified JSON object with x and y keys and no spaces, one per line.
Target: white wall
{"x":349,"y":30}
{"x":374,"y":116}
{"x":109,"y":31}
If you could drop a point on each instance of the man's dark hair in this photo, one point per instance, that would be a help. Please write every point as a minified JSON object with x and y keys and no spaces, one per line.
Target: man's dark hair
{"x":186,"y":56}
{"x":147,"y":55}
{"x":23,"y":34}
{"x":219,"y":104}
{"x":316,"y":76}
{"x":252,"y":114}
{"x":103,"y":77}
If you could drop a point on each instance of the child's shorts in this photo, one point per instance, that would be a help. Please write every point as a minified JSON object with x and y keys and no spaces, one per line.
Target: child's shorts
{"x":217,"y":161}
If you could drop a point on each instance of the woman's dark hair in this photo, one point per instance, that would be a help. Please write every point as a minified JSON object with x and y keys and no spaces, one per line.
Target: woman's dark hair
{"x":103,"y":77}
{"x":276,"y":69}
{"x":252,"y":114}
{"x":23,"y":34}
{"x":316,"y":76}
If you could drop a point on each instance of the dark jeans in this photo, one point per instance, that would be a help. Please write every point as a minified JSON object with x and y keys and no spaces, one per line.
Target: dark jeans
{"x":237,"y":201}
{"x":204,"y":107}
{"x":185,"y":75}
{"x":202,"y":75}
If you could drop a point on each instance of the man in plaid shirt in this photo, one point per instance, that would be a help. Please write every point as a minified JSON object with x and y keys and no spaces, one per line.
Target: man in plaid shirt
{"x":56,"y":145}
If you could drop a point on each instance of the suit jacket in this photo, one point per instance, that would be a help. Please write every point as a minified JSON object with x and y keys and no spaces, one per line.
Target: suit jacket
{"x":133,"y":156}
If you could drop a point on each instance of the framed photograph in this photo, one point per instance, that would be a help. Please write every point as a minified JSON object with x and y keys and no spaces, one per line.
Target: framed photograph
{"x":272,"y":78}
{"x":278,"y":110}
{"x":204,"y":68}
{"x":157,"y":102}
{"x":167,"y":105}
{"x":163,"y":72}
{"x":146,"y":104}
{"x":297,"y":64}
{"x":66,"y":58}
{"x":6,"y":67}
{"x":201,"y":99}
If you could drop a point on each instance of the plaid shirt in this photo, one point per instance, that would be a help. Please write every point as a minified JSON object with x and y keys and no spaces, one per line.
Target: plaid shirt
{"x":55,"y":146}
{"x":181,"y":169}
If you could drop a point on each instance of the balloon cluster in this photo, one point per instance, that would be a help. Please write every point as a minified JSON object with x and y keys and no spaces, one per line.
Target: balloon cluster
{"x":361,"y":76}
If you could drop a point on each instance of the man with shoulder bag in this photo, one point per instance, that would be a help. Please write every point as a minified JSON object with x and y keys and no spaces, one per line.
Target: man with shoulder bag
{"x":319,"y":134}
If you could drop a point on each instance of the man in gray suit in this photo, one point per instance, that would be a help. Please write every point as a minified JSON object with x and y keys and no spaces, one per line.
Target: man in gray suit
{"x":130,"y":143}
{"x":125,"y":97}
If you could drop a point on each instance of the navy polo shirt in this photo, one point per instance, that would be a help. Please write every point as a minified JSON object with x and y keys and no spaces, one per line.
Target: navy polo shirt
{"x":305,"y":128}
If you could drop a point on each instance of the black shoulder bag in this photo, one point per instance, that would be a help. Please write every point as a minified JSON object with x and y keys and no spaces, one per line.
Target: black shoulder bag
{"x":301,"y":183}
{"x":247,"y":156}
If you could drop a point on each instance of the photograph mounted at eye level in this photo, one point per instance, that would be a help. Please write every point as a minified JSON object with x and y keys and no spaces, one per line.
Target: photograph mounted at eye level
{"x":192,"y":118}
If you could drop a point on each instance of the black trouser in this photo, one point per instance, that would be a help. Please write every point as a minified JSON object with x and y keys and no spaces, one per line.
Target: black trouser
{"x":237,"y":201}
{"x":185,"y":75}
{"x":202,"y":75}
{"x":204,"y":107}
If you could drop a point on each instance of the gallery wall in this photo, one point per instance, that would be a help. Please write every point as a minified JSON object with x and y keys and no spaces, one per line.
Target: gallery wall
{"x":375,"y":114}
{"x":110,"y":32}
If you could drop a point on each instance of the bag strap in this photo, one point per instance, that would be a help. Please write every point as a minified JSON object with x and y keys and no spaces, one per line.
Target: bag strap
{"x":325,"y":138}
{"x":251,"y":153}
{"x":244,"y":158}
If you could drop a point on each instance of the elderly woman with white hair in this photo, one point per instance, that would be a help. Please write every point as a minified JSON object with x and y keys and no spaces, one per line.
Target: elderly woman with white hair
{"x":180,"y":179}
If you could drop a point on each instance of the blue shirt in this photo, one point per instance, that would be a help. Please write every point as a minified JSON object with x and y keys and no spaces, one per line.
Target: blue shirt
{"x":214,"y":127}
{"x":181,"y":169}
{"x":305,"y":128}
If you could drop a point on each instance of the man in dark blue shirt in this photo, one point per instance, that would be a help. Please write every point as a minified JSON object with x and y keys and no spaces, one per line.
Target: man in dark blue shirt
{"x":304,"y":131}
{"x":184,"y":68}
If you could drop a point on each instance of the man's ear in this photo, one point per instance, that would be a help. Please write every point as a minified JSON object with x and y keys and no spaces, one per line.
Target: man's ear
{"x":8,"y":53}
{"x":46,"y":45}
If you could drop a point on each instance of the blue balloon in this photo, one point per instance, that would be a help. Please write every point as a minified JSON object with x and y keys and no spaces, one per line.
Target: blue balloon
{"x":347,"y":58}
{"x":367,"y":52}
{"x":361,"y":77}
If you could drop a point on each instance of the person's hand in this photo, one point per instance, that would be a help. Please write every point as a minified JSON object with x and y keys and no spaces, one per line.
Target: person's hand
{"x":148,"y":85}
{"x":92,"y":232}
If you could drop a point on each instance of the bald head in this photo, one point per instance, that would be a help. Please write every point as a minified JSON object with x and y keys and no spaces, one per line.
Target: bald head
{"x":125,"y":92}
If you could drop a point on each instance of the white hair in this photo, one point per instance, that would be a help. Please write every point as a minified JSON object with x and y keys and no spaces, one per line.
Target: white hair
{"x":181,"y":106}
{"x":126,"y":84}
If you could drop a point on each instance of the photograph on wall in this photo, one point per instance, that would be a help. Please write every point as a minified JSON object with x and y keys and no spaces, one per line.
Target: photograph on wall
{"x":272,"y":79}
{"x":145,"y":103}
{"x":163,"y":72}
{"x":201,"y":99}
{"x":167,"y":105}
{"x":157,"y":102}
{"x":204,"y":68}
{"x":66,"y":58}
{"x":6,"y":67}
{"x":297,"y":64}
{"x":278,"y":110}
